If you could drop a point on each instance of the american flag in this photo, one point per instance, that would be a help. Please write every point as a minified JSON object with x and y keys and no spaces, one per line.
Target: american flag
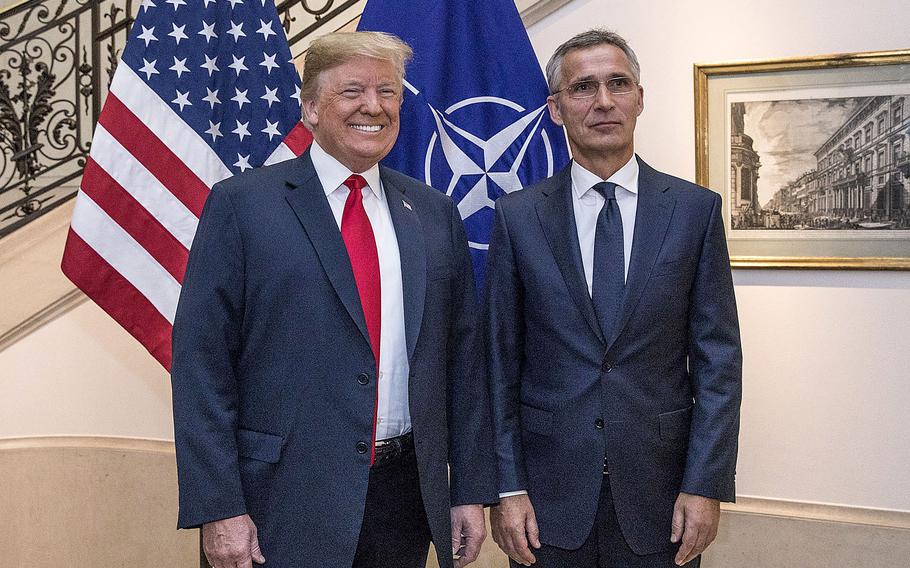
{"x":204,"y":89}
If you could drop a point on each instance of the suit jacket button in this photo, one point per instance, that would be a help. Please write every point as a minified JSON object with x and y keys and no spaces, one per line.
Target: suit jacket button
{"x":362,"y":447}
{"x":599,"y":423}
{"x":606,"y":366}
{"x":363,"y":378}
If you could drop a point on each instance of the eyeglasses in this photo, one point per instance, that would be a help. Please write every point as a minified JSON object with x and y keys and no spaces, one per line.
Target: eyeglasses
{"x":586,"y":89}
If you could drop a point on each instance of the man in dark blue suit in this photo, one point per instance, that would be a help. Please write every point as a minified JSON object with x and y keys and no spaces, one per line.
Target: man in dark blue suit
{"x":330,"y":405}
{"x":614,"y":345}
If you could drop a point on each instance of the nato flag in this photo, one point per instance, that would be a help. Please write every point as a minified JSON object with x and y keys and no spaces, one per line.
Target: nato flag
{"x":474,"y":123}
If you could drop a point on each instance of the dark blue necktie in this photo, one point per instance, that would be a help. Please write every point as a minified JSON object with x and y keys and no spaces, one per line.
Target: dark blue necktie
{"x":609,"y":280}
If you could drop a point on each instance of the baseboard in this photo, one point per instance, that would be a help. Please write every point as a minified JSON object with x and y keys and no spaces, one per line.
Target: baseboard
{"x":759,"y":533}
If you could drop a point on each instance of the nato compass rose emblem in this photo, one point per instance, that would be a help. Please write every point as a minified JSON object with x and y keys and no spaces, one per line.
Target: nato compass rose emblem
{"x":476,"y":161}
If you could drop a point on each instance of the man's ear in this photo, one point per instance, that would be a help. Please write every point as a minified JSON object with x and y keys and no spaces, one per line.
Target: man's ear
{"x":641,"y":100}
{"x":553,"y":107}
{"x":310,"y":114}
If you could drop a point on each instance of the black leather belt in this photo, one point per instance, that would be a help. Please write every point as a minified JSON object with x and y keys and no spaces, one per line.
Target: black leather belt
{"x":392,"y":449}
{"x":606,"y":471}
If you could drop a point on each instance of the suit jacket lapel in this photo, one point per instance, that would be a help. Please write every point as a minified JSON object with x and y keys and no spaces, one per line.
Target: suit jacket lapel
{"x":652,"y":218}
{"x":557,"y":217}
{"x":412,"y":251}
{"x":309,"y":203}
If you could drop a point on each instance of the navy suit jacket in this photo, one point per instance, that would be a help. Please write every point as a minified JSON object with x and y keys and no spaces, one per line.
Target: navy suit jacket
{"x":270,"y":345}
{"x":660,"y":399}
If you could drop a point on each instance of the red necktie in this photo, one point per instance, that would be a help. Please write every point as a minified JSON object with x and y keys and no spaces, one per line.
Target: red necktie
{"x":361,"y":244}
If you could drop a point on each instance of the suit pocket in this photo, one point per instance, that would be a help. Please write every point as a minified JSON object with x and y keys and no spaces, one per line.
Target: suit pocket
{"x":668,"y":267}
{"x":536,"y":420}
{"x":675,"y":424}
{"x":259,"y":445}
{"x":439,"y":272}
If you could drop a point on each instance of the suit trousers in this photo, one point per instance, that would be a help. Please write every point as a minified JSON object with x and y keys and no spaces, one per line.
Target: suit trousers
{"x":605,"y":547}
{"x":394,"y":532}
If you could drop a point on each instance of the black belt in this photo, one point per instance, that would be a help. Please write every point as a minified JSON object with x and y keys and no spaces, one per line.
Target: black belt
{"x":392,"y":449}
{"x":606,"y":471}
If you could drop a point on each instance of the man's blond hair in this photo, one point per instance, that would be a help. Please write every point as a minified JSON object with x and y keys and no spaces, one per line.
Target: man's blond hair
{"x":338,"y":48}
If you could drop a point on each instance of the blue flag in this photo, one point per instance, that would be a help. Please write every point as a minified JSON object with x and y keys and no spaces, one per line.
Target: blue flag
{"x":474,"y":123}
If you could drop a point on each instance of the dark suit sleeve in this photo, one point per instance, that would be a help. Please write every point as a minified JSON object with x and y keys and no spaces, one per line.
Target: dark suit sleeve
{"x":504,"y":323}
{"x":206,"y":340}
{"x":472,"y":469}
{"x":715,"y":366}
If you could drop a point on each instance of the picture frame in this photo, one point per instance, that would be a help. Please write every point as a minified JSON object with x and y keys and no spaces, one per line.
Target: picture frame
{"x":812,"y":158}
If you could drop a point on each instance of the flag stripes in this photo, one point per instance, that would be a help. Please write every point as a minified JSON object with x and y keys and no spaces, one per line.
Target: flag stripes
{"x":166,"y":135}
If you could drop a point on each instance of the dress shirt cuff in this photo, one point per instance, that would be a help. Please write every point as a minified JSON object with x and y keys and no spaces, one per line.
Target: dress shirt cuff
{"x":512,"y":493}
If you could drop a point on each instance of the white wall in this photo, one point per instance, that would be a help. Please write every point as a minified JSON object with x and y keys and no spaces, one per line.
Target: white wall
{"x":83,"y":375}
{"x":827,"y":356}
{"x":826,"y":372}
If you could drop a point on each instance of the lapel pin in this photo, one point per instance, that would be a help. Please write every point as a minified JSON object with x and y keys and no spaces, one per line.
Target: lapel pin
{"x":406,"y":205}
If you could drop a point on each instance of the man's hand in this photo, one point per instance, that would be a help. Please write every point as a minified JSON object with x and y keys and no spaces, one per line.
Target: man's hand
{"x":695,"y":520}
{"x":514,"y":527}
{"x":231,"y":543}
{"x":469,"y":529}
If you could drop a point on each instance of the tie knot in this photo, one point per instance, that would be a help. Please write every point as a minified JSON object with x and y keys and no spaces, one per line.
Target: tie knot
{"x":355,"y":182}
{"x":606,"y":188}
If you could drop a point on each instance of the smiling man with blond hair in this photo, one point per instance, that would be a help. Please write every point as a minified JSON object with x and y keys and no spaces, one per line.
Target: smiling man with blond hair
{"x":330,"y":407}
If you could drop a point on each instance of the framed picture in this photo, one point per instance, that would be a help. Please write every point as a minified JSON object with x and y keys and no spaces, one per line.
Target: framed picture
{"x":812,"y":158}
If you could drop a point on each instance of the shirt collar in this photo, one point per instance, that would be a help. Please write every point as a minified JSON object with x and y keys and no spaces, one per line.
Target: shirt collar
{"x":625,"y":177}
{"x":333,"y":173}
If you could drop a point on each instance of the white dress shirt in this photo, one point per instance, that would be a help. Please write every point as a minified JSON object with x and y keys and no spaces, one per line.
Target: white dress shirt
{"x":392,"y":415}
{"x":586,"y":203}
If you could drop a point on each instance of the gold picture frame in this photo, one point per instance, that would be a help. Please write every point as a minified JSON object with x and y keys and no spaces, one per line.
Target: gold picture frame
{"x":833,"y":136}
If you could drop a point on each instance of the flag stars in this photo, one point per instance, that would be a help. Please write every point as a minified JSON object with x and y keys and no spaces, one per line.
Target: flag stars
{"x":270,"y":96}
{"x":242,"y":130}
{"x":176,"y":3}
{"x":271,"y":128}
{"x":243,"y":162}
{"x":212,"y":98}
{"x":147,"y":35}
{"x":240,"y":97}
{"x":234,"y":3}
{"x":236,"y":31}
{"x":149,"y":68}
{"x":269,"y":63}
{"x":265,"y":29}
{"x":177,"y":33}
{"x":296,"y":95}
{"x":182,"y":100}
{"x":179,"y":67}
{"x":238,"y":65}
{"x":214,"y":131}
{"x":209,"y":64}
{"x":207,"y":2}
{"x":146,"y":4}
{"x":208,"y":30}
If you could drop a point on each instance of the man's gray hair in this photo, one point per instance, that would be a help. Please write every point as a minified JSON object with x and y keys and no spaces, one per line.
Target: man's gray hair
{"x":590,"y":38}
{"x":338,"y":48}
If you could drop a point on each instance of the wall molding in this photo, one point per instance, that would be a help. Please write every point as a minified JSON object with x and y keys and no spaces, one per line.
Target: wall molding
{"x":533,"y":12}
{"x":119,"y":443}
{"x":799,"y":510}
{"x":45,"y":315}
{"x":808,"y":511}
